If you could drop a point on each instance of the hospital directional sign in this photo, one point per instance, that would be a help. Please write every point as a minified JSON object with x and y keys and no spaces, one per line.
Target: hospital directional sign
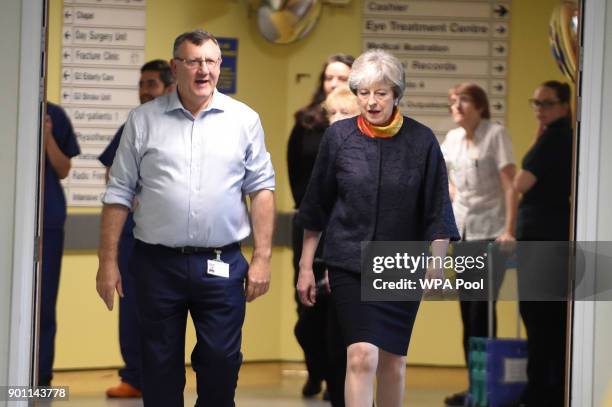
{"x":103,"y":43}
{"x":443,"y":43}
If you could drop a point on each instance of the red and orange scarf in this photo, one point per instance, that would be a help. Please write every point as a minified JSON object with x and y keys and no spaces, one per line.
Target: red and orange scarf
{"x":386,"y":131}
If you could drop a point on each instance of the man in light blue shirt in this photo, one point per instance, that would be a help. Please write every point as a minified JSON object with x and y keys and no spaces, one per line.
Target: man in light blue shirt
{"x":188,"y":159}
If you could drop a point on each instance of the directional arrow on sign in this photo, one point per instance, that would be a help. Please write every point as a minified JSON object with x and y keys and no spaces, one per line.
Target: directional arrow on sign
{"x":66,"y":75}
{"x":501,"y":29}
{"x":66,"y":55}
{"x":67,"y":14}
{"x":499,"y":68}
{"x":65,"y":95}
{"x":67,"y":35}
{"x":498,"y":106}
{"x":498,"y":87}
{"x":134,"y":57}
{"x":500,"y":49}
{"x":501,"y":10}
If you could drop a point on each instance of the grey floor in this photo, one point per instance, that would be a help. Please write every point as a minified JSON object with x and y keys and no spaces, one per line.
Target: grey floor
{"x":261,"y":385}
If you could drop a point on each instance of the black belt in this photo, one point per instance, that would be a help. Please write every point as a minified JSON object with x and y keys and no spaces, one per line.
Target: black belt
{"x":195,"y":249}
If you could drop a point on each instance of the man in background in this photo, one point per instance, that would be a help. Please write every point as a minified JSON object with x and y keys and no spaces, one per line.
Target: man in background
{"x":155,"y":80}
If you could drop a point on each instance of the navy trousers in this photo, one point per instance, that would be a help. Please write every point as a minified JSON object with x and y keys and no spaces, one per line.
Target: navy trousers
{"x":169,"y":285}
{"x":129,"y":326}
{"x":53,"y":247}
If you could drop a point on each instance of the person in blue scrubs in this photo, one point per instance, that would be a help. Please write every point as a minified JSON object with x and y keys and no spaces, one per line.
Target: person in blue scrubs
{"x":155,"y":80}
{"x":60,"y":146}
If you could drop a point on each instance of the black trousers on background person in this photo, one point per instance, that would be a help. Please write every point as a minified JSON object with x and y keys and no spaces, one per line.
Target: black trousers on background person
{"x":311,"y":333}
{"x":129,"y":326}
{"x":329,"y":342}
{"x":475,"y":314}
{"x":473,"y":304}
{"x":545,"y":323}
{"x":543,"y":285}
{"x":336,"y":351}
{"x":317,"y":330}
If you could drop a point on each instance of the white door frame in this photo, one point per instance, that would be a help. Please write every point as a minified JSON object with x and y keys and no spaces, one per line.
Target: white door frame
{"x":31,"y":90}
{"x":587,"y":210}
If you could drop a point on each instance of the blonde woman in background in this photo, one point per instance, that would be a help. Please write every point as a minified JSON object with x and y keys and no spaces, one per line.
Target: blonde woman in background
{"x":341,"y":104}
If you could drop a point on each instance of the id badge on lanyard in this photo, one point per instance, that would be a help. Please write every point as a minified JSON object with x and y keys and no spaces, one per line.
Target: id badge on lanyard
{"x":217,"y":267}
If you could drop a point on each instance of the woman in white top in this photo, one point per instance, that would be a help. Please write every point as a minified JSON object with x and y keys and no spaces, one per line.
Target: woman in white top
{"x":481,"y":170}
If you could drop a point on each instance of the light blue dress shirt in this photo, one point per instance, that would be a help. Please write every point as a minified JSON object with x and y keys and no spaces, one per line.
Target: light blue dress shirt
{"x":190,"y":175}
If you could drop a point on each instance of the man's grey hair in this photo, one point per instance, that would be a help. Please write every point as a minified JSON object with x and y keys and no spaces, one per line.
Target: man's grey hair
{"x":377,"y":65}
{"x":196,"y":37}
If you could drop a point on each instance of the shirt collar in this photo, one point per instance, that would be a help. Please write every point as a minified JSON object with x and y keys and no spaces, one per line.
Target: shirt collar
{"x":480,"y":130}
{"x":216,"y":104}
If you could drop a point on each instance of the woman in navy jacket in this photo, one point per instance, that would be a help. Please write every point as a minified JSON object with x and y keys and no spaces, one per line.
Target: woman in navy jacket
{"x":377,"y":177}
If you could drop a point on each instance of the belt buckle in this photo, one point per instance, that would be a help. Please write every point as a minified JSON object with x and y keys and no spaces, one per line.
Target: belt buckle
{"x":186,"y":250}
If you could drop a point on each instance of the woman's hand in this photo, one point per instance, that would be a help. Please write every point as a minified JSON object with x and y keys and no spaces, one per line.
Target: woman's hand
{"x":505,"y":237}
{"x":306,"y":286}
{"x":436,"y":290}
{"x":507,"y":242}
{"x":434,"y":270}
{"x":434,"y":273}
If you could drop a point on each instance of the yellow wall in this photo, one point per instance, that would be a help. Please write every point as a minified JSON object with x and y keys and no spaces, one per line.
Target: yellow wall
{"x":531,"y":63}
{"x":87,"y":334}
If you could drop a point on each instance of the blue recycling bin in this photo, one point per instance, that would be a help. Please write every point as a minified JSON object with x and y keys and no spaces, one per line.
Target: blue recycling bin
{"x":497,"y":371}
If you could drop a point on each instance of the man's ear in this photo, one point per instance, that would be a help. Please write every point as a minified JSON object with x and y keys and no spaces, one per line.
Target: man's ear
{"x":173,"y":66}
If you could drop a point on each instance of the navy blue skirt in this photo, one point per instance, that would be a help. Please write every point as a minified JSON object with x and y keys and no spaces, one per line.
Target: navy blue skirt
{"x":385,"y":324}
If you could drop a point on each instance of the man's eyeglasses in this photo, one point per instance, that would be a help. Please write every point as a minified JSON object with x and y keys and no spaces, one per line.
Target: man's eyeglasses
{"x":544,"y":104}
{"x":197,"y":63}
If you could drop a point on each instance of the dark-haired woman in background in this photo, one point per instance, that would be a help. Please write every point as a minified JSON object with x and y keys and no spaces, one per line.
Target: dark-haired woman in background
{"x":544,"y":216}
{"x":311,"y":329}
